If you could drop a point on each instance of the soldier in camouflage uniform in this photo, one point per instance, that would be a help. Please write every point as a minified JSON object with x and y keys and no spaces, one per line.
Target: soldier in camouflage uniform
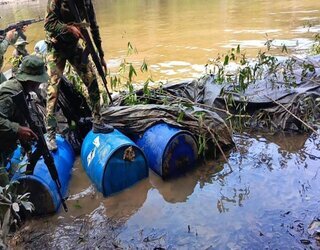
{"x":18,"y":54}
{"x":10,"y":38}
{"x":13,"y":126}
{"x":62,"y":37}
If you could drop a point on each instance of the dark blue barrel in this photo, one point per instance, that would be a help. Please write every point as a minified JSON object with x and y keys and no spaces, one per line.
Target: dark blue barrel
{"x":43,"y":190}
{"x":112,"y":161}
{"x":169,"y":150}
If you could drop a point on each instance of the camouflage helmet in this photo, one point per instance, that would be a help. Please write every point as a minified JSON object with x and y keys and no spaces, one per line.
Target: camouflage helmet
{"x":32,"y":69}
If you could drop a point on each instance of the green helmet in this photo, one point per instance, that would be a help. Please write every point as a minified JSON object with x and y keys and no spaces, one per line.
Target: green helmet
{"x":32,"y":69}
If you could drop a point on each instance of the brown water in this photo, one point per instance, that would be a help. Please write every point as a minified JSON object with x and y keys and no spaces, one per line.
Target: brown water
{"x":177,"y":37}
{"x":266,"y":199}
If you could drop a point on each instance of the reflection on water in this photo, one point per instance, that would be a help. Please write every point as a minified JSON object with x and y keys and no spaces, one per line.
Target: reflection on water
{"x":265,"y":198}
{"x":187,"y":32}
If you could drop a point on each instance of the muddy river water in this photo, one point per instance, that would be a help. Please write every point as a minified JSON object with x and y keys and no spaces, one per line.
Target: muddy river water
{"x":177,"y":37}
{"x":264,"y":198}
{"x":267,"y":194}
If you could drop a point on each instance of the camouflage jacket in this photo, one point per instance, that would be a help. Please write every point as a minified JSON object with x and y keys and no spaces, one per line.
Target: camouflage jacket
{"x":59,"y":16}
{"x":10,"y":117}
{"x":4,"y":44}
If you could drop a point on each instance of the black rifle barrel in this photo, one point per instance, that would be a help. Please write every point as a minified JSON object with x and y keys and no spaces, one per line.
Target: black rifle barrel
{"x":89,"y":45}
{"x":19,"y":25}
{"x":41,"y":147}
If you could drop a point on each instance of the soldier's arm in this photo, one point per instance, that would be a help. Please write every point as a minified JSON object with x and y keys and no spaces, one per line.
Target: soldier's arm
{"x":4,"y":44}
{"x":8,"y":129}
{"x":52,"y":23}
{"x":10,"y":38}
{"x":95,"y":30}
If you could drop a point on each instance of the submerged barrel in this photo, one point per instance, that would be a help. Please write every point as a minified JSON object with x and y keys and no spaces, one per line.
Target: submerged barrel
{"x":170,"y":151}
{"x":43,"y":190}
{"x":112,"y":161}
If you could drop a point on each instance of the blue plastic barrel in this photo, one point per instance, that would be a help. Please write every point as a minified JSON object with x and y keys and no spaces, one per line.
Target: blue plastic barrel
{"x":170,"y":151}
{"x":15,"y":160}
{"x":43,"y":190}
{"x":112,"y":161}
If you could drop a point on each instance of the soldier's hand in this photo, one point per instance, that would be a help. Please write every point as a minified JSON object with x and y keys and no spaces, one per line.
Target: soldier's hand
{"x":75,"y":31}
{"x":26,"y":134}
{"x":10,"y":35}
{"x":104,"y":65}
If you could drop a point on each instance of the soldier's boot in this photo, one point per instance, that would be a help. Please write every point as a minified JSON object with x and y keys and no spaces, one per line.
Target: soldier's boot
{"x":51,"y":131}
{"x":51,"y":141}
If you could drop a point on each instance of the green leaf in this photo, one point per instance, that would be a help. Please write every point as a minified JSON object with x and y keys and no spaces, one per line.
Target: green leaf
{"x":122,"y":67}
{"x":226,"y":60}
{"x":188,"y":106}
{"x":24,"y":196}
{"x":132,"y":72}
{"x":238,"y":49}
{"x":131,"y":49}
{"x":77,"y":205}
{"x":144,"y":66}
{"x":146,"y":90}
{"x":15,"y":207}
{"x":180,"y":117}
{"x":27,"y":205}
{"x":284,"y":48}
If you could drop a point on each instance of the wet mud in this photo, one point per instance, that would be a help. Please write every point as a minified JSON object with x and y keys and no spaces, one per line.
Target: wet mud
{"x":265,"y":197}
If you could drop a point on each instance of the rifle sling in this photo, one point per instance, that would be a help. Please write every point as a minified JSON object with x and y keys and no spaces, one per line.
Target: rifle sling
{"x":90,"y":47}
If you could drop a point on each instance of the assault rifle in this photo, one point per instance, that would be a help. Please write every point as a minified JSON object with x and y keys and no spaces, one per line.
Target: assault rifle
{"x":32,"y":116}
{"x":19,"y":25}
{"x":90,"y":48}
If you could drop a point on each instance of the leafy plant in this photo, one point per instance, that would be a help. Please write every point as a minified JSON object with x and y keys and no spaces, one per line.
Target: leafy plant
{"x":126,"y":75}
{"x":15,"y":61}
{"x":10,"y":204}
{"x":316,"y":46}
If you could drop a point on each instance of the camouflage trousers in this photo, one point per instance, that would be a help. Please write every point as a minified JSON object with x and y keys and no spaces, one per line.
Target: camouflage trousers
{"x":56,"y":61}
